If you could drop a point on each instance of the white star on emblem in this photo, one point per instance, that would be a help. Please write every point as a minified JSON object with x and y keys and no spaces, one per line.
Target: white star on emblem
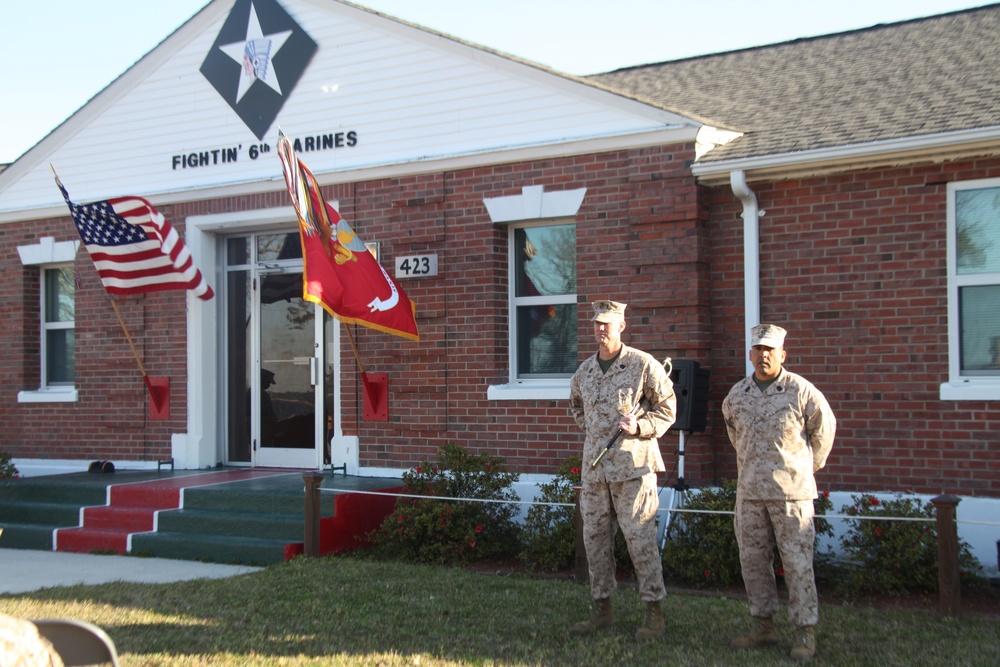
{"x":255,"y":54}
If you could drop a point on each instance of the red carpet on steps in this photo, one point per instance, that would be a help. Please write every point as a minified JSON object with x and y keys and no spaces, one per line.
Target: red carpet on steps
{"x":354,"y":516}
{"x":131,"y":508}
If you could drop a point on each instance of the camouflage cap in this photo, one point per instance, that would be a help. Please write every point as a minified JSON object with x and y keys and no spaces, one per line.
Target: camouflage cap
{"x":608,"y":311}
{"x":768,"y":335}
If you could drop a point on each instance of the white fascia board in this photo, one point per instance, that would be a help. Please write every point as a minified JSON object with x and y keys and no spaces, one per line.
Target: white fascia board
{"x":603,"y":144}
{"x":930,"y":144}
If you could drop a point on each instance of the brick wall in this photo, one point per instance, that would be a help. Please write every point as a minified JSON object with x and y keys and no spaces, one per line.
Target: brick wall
{"x":641,"y":209}
{"x":854,"y":266}
{"x":111,"y":418}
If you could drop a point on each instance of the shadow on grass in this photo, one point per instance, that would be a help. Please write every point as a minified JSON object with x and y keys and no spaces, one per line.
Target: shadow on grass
{"x":348,"y":611}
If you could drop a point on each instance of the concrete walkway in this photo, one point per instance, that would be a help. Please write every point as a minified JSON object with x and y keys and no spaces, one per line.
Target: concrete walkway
{"x":27,"y":570}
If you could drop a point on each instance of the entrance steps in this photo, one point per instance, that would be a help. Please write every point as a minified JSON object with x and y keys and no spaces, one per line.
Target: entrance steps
{"x":248,"y":516}
{"x":33,"y":508}
{"x":132,"y":508}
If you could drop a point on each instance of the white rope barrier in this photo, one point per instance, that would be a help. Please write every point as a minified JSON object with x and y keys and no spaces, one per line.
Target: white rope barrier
{"x":469,"y":500}
{"x":847,"y":517}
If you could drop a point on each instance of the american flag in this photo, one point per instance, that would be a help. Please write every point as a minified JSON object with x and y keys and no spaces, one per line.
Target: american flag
{"x":134,"y":248}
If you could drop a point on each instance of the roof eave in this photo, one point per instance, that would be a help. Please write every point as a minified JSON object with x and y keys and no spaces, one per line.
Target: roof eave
{"x":944,"y":146}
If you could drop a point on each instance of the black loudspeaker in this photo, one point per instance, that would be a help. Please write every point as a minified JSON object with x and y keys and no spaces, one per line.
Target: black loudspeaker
{"x":691,"y":387}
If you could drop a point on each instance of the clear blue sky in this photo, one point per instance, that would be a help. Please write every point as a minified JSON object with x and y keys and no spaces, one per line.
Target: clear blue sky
{"x":57,"y":54}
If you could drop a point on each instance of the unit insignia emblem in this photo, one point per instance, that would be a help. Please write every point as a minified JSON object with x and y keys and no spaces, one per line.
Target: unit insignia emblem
{"x":257,"y":59}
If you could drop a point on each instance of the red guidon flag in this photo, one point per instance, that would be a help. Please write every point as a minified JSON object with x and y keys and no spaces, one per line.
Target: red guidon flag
{"x":134,"y":248}
{"x":338,"y":271}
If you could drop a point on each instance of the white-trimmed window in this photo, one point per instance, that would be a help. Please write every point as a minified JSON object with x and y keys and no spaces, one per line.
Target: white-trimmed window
{"x":973,"y":291}
{"x":57,"y":319}
{"x":543,"y":300}
{"x":542,"y":297}
{"x":58,"y":326}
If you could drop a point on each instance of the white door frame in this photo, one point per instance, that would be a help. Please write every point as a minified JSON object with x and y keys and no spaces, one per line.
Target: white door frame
{"x":203,"y":444}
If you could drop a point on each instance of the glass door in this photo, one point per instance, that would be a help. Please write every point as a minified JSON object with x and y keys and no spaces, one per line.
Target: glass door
{"x":288,"y":373}
{"x":277,"y":392}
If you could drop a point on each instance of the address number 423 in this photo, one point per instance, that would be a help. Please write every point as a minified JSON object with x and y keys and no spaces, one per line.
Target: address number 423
{"x":416,"y":266}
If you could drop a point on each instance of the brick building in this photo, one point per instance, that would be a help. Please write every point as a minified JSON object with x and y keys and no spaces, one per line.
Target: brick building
{"x":845,"y":187}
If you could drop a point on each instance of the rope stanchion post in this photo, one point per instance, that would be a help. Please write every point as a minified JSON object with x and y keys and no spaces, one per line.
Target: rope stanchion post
{"x":310,"y":546}
{"x":949,"y":582}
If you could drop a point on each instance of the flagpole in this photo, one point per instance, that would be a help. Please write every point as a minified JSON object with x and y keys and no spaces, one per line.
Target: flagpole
{"x":155,"y":396}
{"x":128,"y":336}
{"x":357,"y":356}
{"x":368,"y":389}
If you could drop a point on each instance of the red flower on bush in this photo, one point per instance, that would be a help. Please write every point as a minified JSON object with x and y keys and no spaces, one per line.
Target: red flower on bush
{"x":873,"y":501}
{"x":779,"y":571}
{"x":826,"y":494}
{"x":708,"y":573}
{"x":574,"y":471}
{"x":479,"y":529}
{"x":877,"y":531}
{"x":472,"y":543}
{"x":418,"y":470}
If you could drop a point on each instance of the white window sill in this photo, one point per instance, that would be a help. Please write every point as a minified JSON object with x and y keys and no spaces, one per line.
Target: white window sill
{"x":971,"y":391}
{"x":56,"y":395}
{"x":530,"y":391}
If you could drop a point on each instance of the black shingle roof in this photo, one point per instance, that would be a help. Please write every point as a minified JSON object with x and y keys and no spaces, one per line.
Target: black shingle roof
{"x":919,"y":77}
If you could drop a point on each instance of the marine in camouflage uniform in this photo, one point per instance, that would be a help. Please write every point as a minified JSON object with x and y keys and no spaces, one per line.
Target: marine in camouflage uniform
{"x":621,"y":489}
{"x":782,"y":429}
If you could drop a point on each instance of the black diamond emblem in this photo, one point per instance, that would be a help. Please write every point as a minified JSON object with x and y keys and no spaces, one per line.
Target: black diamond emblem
{"x":257,"y":59}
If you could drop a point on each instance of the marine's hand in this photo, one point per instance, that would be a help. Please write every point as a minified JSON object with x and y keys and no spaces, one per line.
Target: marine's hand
{"x":629,"y":424}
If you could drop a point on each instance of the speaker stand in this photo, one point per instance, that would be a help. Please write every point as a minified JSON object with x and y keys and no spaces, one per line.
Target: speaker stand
{"x":677,"y":496}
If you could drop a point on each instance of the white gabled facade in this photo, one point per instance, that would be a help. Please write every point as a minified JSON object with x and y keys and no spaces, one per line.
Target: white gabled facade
{"x":389,"y":95}
{"x":379,"y":98}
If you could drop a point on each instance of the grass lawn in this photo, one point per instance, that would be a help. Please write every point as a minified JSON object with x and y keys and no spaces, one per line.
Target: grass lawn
{"x":351,"y":611}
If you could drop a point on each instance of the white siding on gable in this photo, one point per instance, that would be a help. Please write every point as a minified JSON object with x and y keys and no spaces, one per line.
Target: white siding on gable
{"x":409,"y":96}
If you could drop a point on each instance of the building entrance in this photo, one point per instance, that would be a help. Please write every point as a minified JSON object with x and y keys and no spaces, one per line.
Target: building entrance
{"x":279,"y":384}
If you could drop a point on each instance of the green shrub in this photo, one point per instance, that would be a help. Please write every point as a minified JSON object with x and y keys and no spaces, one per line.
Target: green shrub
{"x":822,"y":506}
{"x":896,"y":557}
{"x":701,"y":549}
{"x":452,"y":531}
{"x":7,"y":469}
{"x":548,"y":536}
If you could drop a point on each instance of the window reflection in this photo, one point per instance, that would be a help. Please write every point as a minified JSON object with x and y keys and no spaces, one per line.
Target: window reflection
{"x":544,"y":276}
{"x":58,"y":323}
{"x":275,"y":247}
{"x":545,"y":260}
{"x":977,"y":254}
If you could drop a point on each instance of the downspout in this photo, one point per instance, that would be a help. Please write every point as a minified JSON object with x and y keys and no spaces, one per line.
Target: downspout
{"x":751,"y":254}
